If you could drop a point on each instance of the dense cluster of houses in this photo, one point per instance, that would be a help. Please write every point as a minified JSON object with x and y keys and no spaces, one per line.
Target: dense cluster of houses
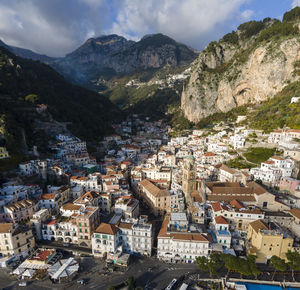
{"x":204,"y":205}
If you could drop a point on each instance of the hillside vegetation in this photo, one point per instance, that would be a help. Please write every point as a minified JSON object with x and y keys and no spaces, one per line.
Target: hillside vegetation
{"x":25,"y":83}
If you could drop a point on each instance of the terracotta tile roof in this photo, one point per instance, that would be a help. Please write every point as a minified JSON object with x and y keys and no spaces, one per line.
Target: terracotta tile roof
{"x":232,"y":190}
{"x":207,"y":154}
{"x":221,"y":220}
{"x":216,"y":206}
{"x":189,"y":237}
{"x":153,"y":189}
{"x":269,"y":162}
{"x":163,"y":230}
{"x":5,"y":227}
{"x":277,"y":158}
{"x":48,"y":196}
{"x":125,"y":226}
{"x":257,"y":189}
{"x":71,"y":206}
{"x":228,"y":198}
{"x":235,"y":203}
{"x":227,"y":169}
{"x":258,"y":225}
{"x":179,"y":236}
{"x":295,"y":212}
{"x":107,"y":229}
{"x":210,"y":185}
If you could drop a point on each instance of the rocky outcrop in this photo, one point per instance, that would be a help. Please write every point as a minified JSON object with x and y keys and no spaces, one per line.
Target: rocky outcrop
{"x":112,"y":54}
{"x":226,"y":76}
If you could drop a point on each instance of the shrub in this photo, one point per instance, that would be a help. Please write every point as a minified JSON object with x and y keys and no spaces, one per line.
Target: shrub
{"x":231,"y":38}
{"x":251,"y":28}
{"x":278,"y":29}
{"x":292,"y":15}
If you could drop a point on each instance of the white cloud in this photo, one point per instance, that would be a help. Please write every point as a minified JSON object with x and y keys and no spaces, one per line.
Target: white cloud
{"x":56,"y":27}
{"x":295,"y":3}
{"x":247,"y":14}
{"x":194,"y":22}
{"x":53,"y":27}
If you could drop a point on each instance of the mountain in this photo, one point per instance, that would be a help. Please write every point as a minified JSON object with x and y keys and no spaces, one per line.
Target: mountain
{"x":26,"y":84}
{"x":247,"y":66}
{"x":27,"y":53}
{"x":113,"y":55}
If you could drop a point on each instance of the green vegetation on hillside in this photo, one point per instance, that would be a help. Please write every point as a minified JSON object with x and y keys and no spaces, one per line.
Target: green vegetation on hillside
{"x":278,"y":30}
{"x":232,"y":38}
{"x":278,"y":111}
{"x":87,"y":112}
{"x":239,"y":163}
{"x":155,"y":40}
{"x":229,"y":116}
{"x":259,"y":154}
{"x":251,"y":28}
{"x":292,"y":15}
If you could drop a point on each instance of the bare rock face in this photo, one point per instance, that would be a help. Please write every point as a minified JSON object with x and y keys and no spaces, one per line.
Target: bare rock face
{"x":230,"y":76}
{"x":113,"y":54}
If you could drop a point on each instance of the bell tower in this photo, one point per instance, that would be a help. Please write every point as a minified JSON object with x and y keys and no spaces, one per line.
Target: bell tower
{"x":189,"y":183}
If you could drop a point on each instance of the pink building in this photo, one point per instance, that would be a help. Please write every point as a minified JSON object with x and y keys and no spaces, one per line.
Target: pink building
{"x":290,"y":184}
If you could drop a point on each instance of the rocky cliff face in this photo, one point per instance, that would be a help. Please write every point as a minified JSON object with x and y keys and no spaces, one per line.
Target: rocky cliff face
{"x":227,"y":75}
{"x":113,"y":54}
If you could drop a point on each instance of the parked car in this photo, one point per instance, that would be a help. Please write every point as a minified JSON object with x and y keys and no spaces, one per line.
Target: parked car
{"x":81,"y":281}
{"x":23,"y":284}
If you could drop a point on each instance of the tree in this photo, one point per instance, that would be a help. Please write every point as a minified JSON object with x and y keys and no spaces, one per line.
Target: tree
{"x":215,"y":263}
{"x":252,"y":265}
{"x":231,"y":262}
{"x":293,"y":261}
{"x":211,"y":264}
{"x":202,"y":263}
{"x":245,"y":267}
{"x":278,"y":264}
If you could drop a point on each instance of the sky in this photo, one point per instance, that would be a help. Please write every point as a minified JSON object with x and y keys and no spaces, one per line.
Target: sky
{"x":57,"y":27}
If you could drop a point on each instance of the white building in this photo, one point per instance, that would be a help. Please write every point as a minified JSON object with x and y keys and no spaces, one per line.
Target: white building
{"x":180,"y":246}
{"x":273,"y":169}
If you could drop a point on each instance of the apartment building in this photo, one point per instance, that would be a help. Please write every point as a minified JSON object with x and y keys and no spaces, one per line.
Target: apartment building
{"x":16,"y":240}
{"x":180,"y":246}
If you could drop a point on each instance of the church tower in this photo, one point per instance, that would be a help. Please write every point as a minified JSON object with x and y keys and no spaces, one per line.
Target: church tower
{"x":189,"y":183}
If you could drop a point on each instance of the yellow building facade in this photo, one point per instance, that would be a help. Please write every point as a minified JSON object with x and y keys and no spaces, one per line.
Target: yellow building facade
{"x":267,"y":241}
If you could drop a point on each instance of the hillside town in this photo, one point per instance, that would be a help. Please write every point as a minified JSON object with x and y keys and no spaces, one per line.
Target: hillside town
{"x":151,"y":195}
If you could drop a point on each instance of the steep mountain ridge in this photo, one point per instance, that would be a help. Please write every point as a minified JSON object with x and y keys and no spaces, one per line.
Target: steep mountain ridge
{"x":248,"y":66}
{"x":27,"y":53}
{"x":113,"y":55}
{"x":27,"y":84}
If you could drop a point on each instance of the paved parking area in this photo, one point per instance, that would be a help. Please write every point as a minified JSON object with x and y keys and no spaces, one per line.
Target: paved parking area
{"x":148,"y":271}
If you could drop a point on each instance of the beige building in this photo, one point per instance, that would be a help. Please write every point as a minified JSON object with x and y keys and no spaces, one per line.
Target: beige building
{"x":158,"y":199}
{"x":267,"y":241}
{"x":16,"y":240}
{"x":251,"y":194}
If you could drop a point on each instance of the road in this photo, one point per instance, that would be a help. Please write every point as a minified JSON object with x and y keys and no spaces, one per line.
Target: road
{"x":147,"y":271}
{"x":150,"y":271}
